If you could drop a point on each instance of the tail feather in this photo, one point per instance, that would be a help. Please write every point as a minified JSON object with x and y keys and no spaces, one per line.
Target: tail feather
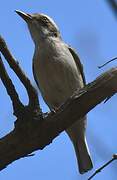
{"x":77,"y":135}
{"x":83,"y":156}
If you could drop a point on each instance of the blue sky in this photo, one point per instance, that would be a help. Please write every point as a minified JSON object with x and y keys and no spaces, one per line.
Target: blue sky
{"x":90,"y":27}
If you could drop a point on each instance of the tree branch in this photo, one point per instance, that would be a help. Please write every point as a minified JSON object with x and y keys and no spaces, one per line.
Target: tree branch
{"x":34,"y":131}
{"x":36,"y":134}
{"x":10,"y":88}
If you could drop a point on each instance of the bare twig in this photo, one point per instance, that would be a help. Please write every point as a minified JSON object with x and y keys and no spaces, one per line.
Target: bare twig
{"x":33,"y":98}
{"x":102,"y":167}
{"x":107,"y":62}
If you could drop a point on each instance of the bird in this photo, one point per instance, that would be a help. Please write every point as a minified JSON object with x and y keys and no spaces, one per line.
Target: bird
{"x":58,"y":73}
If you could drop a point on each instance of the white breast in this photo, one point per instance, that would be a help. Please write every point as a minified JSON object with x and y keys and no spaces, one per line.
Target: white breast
{"x":56,"y":72}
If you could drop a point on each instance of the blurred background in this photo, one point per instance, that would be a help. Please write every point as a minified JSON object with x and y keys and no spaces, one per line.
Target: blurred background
{"x":91,"y":28}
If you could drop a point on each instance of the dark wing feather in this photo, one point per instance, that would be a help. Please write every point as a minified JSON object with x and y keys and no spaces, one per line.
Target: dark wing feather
{"x":78,"y":63}
{"x":35,"y":78}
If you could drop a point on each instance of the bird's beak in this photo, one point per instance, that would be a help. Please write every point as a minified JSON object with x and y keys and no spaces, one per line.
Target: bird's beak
{"x":26,"y":17}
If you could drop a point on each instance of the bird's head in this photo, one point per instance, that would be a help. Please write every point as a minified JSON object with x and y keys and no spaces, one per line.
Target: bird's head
{"x":40,"y":25}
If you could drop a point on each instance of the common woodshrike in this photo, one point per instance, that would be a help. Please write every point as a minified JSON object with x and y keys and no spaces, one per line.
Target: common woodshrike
{"x":58,"y":72}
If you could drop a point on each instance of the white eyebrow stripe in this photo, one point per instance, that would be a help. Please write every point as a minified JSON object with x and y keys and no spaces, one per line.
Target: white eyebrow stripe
{"x":51,"y":20}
